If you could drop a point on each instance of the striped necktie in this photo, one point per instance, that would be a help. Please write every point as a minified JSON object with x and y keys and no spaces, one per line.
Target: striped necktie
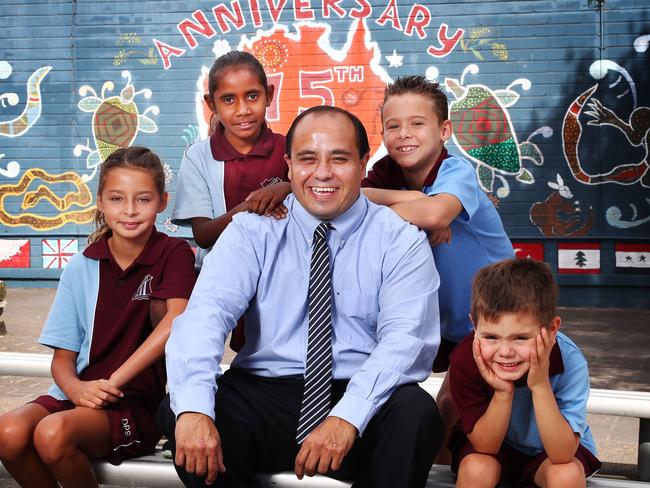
{"x":318,"y":370}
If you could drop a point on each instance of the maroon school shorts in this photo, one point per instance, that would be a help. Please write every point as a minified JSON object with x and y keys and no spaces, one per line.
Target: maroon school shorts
{"x":516,"y":467}
{"x":133,"y":428}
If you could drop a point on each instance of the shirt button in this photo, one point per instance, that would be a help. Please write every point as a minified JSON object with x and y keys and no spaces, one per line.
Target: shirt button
{"x":120,"y":282}
{"x":241,"y":160}
{"x":242,"y":179}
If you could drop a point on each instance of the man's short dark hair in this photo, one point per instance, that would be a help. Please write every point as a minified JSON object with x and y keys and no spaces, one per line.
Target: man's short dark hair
{"x":360,"y":130}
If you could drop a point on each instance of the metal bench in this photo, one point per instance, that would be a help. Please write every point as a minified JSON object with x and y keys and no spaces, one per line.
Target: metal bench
{"x":158,"y":471}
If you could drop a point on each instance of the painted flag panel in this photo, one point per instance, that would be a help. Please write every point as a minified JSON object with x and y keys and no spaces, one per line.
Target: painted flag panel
{"x":578,"y":258}
{"x":525,"y":250}
{"x":633,"y":258}
{"x":14,"y":253}
{"x":57,"y":252}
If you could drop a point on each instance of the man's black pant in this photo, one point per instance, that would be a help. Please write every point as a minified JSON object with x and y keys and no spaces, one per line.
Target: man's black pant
{"x":257,"y":419}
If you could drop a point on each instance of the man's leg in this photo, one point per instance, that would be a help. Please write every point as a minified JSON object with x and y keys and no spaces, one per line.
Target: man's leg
{"x":257,"y":419}
{"x":166,"y":420}
{"x":398,"y":446}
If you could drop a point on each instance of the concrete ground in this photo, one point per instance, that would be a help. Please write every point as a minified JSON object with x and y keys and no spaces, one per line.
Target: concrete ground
{"x":615,"y":342}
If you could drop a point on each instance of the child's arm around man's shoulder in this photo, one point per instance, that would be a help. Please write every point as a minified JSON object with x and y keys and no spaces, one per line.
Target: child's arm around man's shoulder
{"x":433,"y":214}
{"x":436,"y":208}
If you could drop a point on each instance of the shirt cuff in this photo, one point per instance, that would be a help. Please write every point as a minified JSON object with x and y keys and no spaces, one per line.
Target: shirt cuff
{"x":355,"y":410}
{"x":199,"y":399}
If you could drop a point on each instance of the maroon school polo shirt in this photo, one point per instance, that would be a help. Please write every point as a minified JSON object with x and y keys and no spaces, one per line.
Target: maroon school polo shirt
{"x":471,"y":394}
{"x":245,"y":173}
{"x":387,"y":174}
{"x":164,"y":269}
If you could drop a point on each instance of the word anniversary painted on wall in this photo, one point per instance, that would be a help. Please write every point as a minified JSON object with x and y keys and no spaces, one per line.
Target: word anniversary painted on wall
{"x":226,"y":17}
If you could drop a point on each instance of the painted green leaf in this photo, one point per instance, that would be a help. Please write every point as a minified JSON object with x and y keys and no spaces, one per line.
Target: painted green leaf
{"x":485,"y":177}
{"x":531,"y":151}
{"x":526,"y":177}
{"x":89,"y":104}
{"x":146,"y":124}
{"x":507,"y":97}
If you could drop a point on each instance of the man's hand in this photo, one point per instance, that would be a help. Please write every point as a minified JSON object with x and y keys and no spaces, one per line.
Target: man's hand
{"x":439,"y":236}
{"x":488,"y":375}
{"x":540,"y":358}
{"x":325,"y":447}
{"x":198,"y":446}
{"x":268,"y":200}
{"x":95,"y":394}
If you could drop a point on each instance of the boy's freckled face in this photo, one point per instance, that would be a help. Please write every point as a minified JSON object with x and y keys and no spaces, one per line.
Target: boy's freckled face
{"x":506,"y":344}
{"x":412,"y":132}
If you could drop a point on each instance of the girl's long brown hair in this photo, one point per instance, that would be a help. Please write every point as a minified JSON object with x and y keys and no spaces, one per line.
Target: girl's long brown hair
{"x":130,"y":157}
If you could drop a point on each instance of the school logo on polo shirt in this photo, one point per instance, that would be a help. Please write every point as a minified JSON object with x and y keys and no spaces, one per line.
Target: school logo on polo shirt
{"x":144,"y":289}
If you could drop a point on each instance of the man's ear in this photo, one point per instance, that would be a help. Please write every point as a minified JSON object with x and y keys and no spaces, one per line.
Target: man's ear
{"x":288,"y":161}
{"x":364,"y":164}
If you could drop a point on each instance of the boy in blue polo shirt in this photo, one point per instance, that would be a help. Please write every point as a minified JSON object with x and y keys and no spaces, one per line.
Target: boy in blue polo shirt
{"x":445,"y":200}
{"x":438,"y":192}
{"x":520,"y":386}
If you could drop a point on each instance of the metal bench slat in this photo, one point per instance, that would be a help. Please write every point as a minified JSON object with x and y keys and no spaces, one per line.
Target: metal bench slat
{"x":155,"y":471}
{"x":605,"y":402}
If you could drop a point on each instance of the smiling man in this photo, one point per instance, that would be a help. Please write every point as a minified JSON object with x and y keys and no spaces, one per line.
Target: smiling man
{"x":341,"y":310}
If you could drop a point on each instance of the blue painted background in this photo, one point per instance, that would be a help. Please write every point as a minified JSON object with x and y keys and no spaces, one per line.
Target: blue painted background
{"x":551,"y":44}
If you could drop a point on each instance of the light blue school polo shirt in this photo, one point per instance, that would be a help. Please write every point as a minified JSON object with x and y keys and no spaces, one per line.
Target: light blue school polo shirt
{"x":199,"y":189}
{"x":477,"y":239}
{"x":569,"y":378}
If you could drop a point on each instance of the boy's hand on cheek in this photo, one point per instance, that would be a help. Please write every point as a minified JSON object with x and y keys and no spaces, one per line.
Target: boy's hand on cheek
{"x":540,"y":358}
{"x":488,"y":375}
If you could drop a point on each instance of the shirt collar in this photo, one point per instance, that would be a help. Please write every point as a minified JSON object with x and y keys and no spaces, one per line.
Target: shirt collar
{"x":556,"y":364}
{"x":345,"y":224}
{"x":222,"y":150}
{"x":151,"y":253}
{"x":396,"y":174}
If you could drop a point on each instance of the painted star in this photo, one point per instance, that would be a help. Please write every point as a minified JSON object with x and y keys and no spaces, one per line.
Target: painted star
{"x":394,"y":60}
{"x":642,"y":258}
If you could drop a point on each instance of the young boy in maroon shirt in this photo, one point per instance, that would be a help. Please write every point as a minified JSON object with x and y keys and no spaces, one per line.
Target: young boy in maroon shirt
{"x":520,"y":386}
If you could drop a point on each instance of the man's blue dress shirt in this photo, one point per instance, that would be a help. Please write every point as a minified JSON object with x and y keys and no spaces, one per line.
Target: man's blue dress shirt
{"x":385,"y":319}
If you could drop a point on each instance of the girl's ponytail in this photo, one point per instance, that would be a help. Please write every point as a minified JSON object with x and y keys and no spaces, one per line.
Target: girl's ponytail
{"x":100,"y":228}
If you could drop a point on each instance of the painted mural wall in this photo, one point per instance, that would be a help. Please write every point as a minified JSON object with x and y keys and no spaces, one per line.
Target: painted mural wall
{"x":549,"y":99}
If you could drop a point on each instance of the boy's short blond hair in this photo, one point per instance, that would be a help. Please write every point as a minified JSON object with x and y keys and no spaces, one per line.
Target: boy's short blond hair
{"x":514,"y":286}
{"x":419,"y":85}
